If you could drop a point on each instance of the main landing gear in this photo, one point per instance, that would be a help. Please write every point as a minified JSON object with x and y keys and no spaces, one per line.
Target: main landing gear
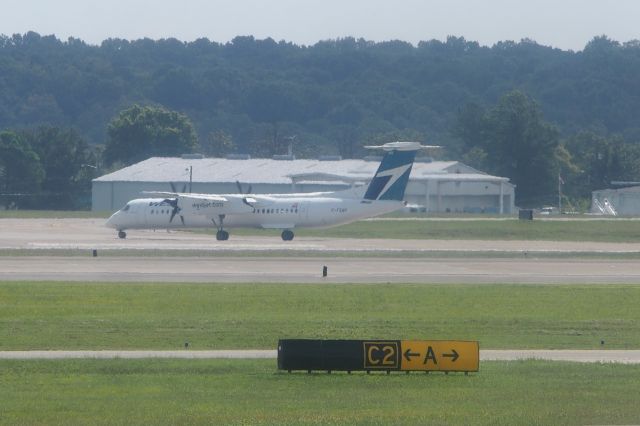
{"x":122,"y":235}
{"x":221,"y":235}
{"x":287,"y":235}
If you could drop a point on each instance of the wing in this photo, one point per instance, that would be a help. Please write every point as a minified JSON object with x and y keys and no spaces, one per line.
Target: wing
{"x":184,"y":195}
{"x":202,"y":198}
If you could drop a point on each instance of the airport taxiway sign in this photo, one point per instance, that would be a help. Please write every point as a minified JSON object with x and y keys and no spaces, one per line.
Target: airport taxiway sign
{"x":439,"y":355}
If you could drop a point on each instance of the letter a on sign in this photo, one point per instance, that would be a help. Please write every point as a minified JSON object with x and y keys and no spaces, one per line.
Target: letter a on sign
{"x":430,"y":355}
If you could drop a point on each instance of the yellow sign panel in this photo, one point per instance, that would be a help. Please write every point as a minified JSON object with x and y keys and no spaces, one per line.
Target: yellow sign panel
{"x":439,"y":355}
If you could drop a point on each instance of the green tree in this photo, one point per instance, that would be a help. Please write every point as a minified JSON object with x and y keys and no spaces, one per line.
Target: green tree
{"x":64,"y":156}
{"x":600,"y":160}
{"x":20,"y":171}
{"x":514,"y":141}
{"x":218,"y":144}
{"x":141,"y":132}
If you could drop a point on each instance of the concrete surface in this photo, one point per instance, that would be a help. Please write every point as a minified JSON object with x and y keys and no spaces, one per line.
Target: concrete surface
{"x":88,"y":234}
{"x":309,"y":270}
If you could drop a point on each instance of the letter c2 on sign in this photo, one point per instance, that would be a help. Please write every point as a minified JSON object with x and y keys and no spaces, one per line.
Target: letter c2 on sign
{"x":380,"y":354}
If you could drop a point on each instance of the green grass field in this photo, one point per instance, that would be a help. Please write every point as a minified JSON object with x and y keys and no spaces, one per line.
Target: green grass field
{"x":253,"y":392}
{"x":552,"y":230}
{"x":226,"y":316}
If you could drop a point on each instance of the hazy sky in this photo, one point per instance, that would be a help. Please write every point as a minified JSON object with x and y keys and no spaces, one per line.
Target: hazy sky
{"x":567,"y":24}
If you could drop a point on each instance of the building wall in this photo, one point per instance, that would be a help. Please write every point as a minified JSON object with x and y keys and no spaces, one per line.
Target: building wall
{"x":443,"y":196}
{"x":625,"y":201}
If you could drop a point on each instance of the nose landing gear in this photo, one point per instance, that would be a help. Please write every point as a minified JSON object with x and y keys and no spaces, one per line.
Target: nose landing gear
{"x":122,"y":235}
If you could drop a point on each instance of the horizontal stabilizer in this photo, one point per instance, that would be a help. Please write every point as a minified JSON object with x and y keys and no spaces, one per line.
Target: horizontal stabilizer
{"x":402,"y":146}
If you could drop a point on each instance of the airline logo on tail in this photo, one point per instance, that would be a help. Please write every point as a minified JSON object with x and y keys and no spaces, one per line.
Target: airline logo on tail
{"x":392,"y":177}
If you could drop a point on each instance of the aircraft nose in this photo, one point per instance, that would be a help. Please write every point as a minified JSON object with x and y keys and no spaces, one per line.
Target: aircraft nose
{"x":112,"y":222}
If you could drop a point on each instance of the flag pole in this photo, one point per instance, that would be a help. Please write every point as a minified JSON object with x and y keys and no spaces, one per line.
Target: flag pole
{"x":559,"y":193}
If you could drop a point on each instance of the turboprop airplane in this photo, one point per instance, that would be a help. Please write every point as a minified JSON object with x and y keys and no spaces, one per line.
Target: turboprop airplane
{"x":287,"y":212}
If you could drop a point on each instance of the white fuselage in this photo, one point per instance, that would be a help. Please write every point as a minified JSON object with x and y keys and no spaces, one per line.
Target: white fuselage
{"x":268,"y":211}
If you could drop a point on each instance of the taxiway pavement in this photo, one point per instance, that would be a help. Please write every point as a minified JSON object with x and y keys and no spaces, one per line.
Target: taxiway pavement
{"x":290,"y":266}
{"x":89,"y":234}
{"x":309,"y":270}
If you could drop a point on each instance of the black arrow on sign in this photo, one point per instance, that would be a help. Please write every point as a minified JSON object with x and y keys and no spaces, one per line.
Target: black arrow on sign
{"x":454,"y":356}
{"x":408,"y":354}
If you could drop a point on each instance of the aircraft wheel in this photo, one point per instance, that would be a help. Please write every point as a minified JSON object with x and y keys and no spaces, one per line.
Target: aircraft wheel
{"x":287,"y":235}
{"x":122,"y":234}
{"x":222,"y":235}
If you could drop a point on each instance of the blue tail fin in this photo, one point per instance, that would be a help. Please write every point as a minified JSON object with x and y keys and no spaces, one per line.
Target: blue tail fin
{"x":390,"y":181}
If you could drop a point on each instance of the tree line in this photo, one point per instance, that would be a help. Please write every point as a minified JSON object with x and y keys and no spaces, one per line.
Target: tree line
{"x":521,"y":110}
{"x":46,"y":168}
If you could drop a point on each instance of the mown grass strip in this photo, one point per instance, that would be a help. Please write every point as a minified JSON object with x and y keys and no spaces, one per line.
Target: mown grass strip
{"x":253,"y":392}
{"x":550,"y":230}
{"x":58,"y":315}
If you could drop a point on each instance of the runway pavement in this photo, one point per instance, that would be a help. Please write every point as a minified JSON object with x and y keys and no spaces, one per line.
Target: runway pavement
{"x":88,"y":234}
{"x":570,"y":355}
{"x":290,"y":266}
{"x":309,"y":270}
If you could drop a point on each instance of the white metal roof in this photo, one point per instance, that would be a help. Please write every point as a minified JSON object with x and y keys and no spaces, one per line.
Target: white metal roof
{"x":261,"y":170}
{"x":625,"y":190}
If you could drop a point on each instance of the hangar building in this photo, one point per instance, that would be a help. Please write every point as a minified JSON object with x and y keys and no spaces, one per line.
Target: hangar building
{"x":437,"y":186}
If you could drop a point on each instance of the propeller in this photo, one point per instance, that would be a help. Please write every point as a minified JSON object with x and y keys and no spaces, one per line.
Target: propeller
{"x":173,"y":202}
{"x":240,"y":191}
{"x":173,"y":187}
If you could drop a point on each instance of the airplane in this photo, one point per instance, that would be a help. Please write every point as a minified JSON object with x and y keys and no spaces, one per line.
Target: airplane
{"x":286,"y":212}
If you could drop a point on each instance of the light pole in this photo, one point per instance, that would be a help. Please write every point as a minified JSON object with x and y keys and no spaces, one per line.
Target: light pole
{"x":290,"y":145}
{"x":190,"y":170}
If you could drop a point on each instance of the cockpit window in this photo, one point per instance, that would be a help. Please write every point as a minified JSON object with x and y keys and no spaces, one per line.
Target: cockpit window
{"x":126,"y":208}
